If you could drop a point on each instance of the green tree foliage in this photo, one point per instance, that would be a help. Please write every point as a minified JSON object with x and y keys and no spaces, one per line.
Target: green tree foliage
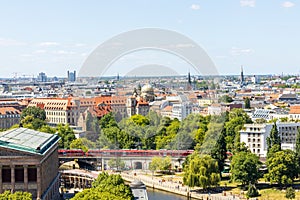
{"x":78,"y":144}
{"x":140,"y":120}
{"x":32,"y":123}
{"x":108,"y":121}
{"x":33,"y":118}
{"x":244,"y":168}
{"x":116,"y":163}
{"x":35,"y":112}
{"x":201,"y":171}
{"x":225,"y":99}
{"x":106,"y":187}
{"x":167,"y":135}
{"x":237,"y":119}
{"x":282,"y":167}
{"x":274,"y":137}
{"x":290,"y":193}
{"x":252,"y":191}
{"x":47,"y":129}
{"x":214,"y":141}
{"x":111,"y":136}
{"x":298,"y":146}
{"x":66,"y":135}
{"x":160,"y":163}
{"x":247,"y":103}
{"x":7,"y":195}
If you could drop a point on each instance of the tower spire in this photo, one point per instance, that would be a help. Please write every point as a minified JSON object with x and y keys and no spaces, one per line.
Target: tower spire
{"x":242,"y":75}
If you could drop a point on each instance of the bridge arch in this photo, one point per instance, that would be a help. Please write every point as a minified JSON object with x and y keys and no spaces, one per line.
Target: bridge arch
{"x":147,"y":38}
{"x":137,"y":165}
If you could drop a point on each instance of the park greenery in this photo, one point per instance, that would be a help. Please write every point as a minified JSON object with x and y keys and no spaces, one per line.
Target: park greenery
{"x":160,"y":164}
{"x":212,"y":137}
{"x":106,"y":187}
{"x":7,"y":195}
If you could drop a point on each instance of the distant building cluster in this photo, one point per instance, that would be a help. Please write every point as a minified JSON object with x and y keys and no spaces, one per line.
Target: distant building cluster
{"x":74,"y":101}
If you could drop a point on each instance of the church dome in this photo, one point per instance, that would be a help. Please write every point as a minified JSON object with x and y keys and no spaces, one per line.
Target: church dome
{"x":147,"y":88}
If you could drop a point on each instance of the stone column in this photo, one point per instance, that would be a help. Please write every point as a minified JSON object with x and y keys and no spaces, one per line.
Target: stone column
{"x":39,"y":182}
{"x":1,"y":185}
{"x":12,"y":178}
{"x":25,"y":177}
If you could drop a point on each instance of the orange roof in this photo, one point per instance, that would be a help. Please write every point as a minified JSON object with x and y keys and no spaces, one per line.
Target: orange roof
{"x":9,"y":110}
{"x":295,"y":109}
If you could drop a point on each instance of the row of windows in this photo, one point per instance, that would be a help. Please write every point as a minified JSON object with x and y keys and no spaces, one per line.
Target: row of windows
{"x":19,"y":174}
{"x":289,"y":128}
{"x":256,"y":150}
{"x":253,"y":134}
{"x":9,"y":116}
{"x":255,"y":145}
{"x":255,"y":129}
{"x":57,"y":120}
{"x":254,"y":140}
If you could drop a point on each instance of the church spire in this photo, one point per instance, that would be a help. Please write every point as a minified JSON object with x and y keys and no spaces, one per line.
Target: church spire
{"x":242,"y":75}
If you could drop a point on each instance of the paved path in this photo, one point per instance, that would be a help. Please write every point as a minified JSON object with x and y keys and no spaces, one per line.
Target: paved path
{"x":173,"y":187}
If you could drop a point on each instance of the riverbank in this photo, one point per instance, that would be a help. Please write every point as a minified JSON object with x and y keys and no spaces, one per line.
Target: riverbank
{"x":174,"y":187}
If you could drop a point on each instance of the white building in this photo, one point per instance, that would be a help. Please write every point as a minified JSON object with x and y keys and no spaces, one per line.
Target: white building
{"x":255,"y":136}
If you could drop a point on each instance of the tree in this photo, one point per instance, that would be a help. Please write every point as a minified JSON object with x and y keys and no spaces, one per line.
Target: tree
{"x":107,"y":121}
{"x":35,"y":112}
{"x":244,"y":168}
{"x":78,"y":144}
{"x":247,"y":103}
{"x":225,"y":99}
{"x":290,"y":193}
{"x":237,"y":119}
{"x":106,"y":187}
{"x":7,"y":195}
{"x":32,"y":123}
{"x":252,"y":191}
{"x":159,"y":163}
{"x":298,"y":146}
{"x":201,"y":171}
{"x":66,"y":134}
{"x":273,"y":139}
{"x":168,"y":134}
{"x":116,"y":163}
{"x":282,"y":167}
{"x":140,"y":120}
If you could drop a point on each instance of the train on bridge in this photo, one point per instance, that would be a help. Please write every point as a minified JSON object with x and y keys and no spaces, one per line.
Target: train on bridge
{"x":122,"y":153}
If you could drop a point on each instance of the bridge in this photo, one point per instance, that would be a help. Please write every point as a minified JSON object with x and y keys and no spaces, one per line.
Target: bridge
{"x":133,"y":162}
{"x":97,"y":159}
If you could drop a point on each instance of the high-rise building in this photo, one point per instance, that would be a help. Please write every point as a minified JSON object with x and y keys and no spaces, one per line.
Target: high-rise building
{"x":42,"y":77}
{"x":71,"y":76}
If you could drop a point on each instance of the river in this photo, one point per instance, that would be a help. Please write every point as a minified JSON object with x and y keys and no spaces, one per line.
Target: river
{"x":161,"y":195}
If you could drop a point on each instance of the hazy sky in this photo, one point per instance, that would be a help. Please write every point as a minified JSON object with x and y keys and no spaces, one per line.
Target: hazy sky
{"x":58,"y":35}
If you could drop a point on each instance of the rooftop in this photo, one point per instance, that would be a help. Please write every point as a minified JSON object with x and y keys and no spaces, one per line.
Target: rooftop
{"x":27,"y":140}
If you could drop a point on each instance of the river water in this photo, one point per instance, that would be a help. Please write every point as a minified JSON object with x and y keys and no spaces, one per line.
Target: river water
{"x":161,"y":195}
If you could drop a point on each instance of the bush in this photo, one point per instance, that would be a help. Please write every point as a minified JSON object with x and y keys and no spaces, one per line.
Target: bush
{"x":252,"y":191}
{"x":290,"y":193}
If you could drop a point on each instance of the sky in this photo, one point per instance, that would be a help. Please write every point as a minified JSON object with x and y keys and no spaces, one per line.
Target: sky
{"x":58,"y":35}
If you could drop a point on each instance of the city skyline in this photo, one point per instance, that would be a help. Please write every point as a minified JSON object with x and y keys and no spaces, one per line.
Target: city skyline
{"x":55,"y":37}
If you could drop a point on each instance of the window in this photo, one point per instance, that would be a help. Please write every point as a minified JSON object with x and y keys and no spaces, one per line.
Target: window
{"x":19,"y":174}
{"x":6,"y":174}
{"x":32,"y":174}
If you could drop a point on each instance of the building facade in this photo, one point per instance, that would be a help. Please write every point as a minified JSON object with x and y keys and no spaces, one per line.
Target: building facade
{"x":255,"y":136}
{"x":9,"y":116}
{"x":29,"y":162}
